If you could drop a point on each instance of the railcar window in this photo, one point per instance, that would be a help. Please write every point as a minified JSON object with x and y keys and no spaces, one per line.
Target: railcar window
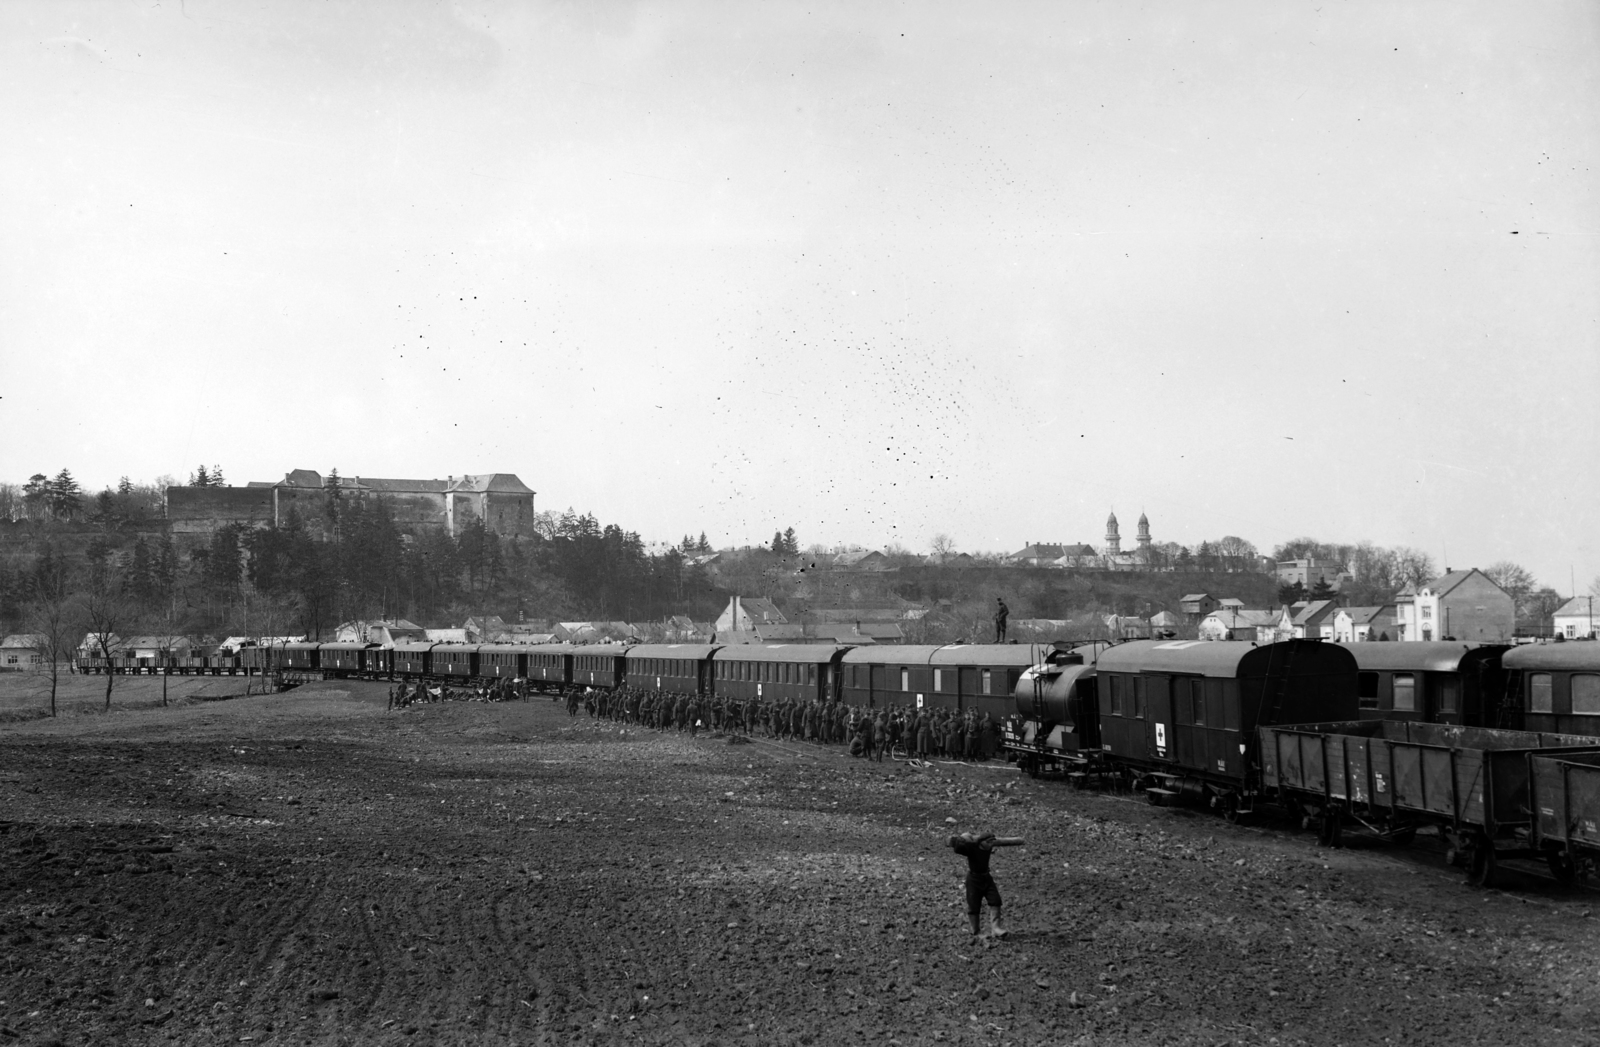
{"x":1012,"y":676}
{"x":1138,"y":698}
{"x":811,"y":674}
{"x":1367,"y":689}
{"x":1586,"y":694}
{"x":1539,"y":693}
{"x":1405,"y":692}
{"x":938,"y":679}
{"x":1197,"y":699}
{"x":905,"y":679}
{"x":1116,"y":696}
{"x":1448,"y":691}
{"x":988,"y":675}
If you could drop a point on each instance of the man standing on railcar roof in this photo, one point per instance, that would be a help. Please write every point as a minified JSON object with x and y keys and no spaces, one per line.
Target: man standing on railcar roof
{"x":1001,"y":613}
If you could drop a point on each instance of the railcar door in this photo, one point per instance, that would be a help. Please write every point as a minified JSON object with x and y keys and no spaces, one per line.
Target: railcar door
{"x":1159,"y":741}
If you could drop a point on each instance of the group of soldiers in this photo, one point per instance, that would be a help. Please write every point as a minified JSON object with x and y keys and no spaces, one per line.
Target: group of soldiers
{"x":404,"y":694}
{"x":870,"y":733}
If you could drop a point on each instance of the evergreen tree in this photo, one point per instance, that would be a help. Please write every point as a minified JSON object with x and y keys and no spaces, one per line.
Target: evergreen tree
{"x":65,"y":495}
{"x":216,"y":477}
{"x":200,"y":478}
{"x":791,"y":544}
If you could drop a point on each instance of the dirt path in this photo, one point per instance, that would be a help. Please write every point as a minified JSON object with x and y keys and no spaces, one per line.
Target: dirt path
{"x":308,"y":868}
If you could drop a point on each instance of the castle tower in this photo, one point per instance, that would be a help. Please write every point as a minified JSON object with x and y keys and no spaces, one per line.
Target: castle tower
{"x":1113,"y":539}
{"x":1144,"y":532}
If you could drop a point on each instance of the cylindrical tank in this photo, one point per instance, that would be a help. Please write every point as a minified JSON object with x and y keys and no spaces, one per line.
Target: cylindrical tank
{"x":1053,"y":693}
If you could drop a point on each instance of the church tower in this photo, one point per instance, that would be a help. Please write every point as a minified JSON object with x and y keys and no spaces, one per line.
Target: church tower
{"x":1144,"y":533}
{"x":1113,"y":539}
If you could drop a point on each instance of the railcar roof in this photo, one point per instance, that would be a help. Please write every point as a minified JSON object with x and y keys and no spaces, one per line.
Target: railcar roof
{"x":347,"y":646}
{"x":807,"y":653}
{"x":695,"y":651}
{"x":1220,"y":658}
{"x":503,"y":648}
{"x":1434,"y":656}
{"x":1014,"y":654}
{"x":415,"y":646}
{"x":1579,"y":654}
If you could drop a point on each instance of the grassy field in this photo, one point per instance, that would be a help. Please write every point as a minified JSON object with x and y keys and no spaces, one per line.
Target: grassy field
{"x":26,"y":696}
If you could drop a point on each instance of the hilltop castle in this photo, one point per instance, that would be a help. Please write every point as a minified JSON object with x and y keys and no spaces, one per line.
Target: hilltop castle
{"x":502,"y":501}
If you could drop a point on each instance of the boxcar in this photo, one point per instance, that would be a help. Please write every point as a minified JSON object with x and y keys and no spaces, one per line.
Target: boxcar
{"x":301,"y":656}
{"x":1185,"y":712}
{"x":501,"y":661}
{"x":1555,"y":686}
{"x":951,"y":676}
{"x":598,"y":665}
{"x":549,"y":665}
{"x":455,"y":660}
{"x":679,"y":667}
{"x":413,"y":659}
{"x":343,"y":659}
{"x":777,"y":672}
{"x":1434,"y":681}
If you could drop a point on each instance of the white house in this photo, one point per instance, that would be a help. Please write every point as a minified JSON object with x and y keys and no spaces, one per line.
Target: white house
{"x":1361,"y":624}
{"x":1458,"y":605}
{"x":1231,"y":624}
{"x":1575,"y":618}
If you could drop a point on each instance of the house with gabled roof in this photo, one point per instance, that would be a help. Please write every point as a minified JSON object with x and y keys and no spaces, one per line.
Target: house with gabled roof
{"x":1574,"y":620}
{"x":1457,"y":605}
{"x":1313,"y":620}
{"x":1227,"y":623}
{"x":1363,"y":624}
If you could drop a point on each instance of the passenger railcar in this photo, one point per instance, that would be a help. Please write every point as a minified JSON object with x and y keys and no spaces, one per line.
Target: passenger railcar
{"x":343,"y":659}
{"x":549,"y":665}
{"x":778,"y":672}
{"x":949,"y":676}
{"x":1555,"y":686}
{"x":301,"y":656}
{"x":684,"y":668}
{"x":411,"y":660}
{"x":1433,"y":681}
{"x":458,"y":661}
{"x":599,"y":666}
{"x":1183,"y":713}
{"x":502,"y":661}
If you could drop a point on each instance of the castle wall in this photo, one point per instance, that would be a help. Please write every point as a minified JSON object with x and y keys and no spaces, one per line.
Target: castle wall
{"x":202,"y":510}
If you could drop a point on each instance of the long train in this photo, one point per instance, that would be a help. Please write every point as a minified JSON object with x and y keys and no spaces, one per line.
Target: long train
{"x":1497,"y":747}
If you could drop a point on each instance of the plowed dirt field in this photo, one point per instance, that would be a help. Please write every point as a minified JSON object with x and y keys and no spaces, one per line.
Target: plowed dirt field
{"x":310,"y":868}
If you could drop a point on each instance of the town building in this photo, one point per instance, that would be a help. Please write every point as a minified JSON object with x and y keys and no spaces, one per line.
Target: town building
{"x":1308,"y":571}
{"x":745,"y":613}
{"x":500,"y":500}
{"x":1574,"y":620}
{"x":1236,"y":624}
{"x":1313,"y":620}
{"x":1458,"y":605}
{"x":1198,"y":605}
{"x":1363,"y":624}
{"x":21,"y":652}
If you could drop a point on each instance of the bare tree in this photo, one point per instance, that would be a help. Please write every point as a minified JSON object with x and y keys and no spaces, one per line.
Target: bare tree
{"x":50,"y":618}
{"x":1412,"y":567}
{"x":943,"y":547}
{"x":103,"y":610}
{"x":1515,"y":579}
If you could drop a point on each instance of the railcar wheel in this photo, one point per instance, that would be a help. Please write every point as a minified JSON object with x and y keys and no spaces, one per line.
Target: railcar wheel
{"x":1031,"y":765}
{"x":1562,"y":867}
{"x":1230,"y":810}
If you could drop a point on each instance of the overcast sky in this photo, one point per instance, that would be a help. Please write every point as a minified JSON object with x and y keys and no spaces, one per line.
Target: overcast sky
{"x":872,"y":271}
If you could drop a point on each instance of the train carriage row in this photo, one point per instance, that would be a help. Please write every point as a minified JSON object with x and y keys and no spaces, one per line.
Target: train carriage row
{"x":1497,"y":748}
